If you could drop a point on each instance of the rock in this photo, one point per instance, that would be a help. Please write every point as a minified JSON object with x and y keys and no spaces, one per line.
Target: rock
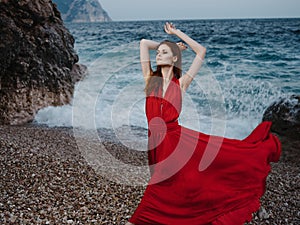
{"x":285,"y":116}
{"x":78,"y":72}
{"x":82,"y":11}
{"x":262,"y":214}
{"x":38,"y":62}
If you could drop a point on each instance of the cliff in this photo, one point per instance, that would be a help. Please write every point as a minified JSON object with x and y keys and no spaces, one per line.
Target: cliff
{"x":82,"y":11}
{"x":38,"y":62}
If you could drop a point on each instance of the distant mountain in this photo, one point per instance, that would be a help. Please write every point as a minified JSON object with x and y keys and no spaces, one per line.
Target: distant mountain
{"x":82,"y":11}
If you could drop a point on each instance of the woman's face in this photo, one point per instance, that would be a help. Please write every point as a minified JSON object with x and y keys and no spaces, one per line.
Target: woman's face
{"x":164,"y":56}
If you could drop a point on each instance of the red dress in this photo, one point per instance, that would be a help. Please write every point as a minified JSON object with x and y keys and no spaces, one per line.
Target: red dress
{"x":197,"y":178}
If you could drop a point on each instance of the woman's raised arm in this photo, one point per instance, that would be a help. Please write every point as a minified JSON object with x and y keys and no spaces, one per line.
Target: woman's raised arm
{"x":145,"y":47}
{"x":200,"y":51}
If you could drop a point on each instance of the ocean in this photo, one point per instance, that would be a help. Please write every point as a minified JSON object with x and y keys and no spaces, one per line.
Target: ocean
{"x":250,"y":63}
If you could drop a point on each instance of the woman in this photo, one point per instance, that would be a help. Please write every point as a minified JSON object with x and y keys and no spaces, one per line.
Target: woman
{"x":196,"y":179}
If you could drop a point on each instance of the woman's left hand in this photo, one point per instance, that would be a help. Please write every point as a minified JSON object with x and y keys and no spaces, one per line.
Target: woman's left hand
{"x":181,"y":46}
{"x":170,"y":28}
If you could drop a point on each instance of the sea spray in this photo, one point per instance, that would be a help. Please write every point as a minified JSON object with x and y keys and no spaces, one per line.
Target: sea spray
{"x":246,"y":83}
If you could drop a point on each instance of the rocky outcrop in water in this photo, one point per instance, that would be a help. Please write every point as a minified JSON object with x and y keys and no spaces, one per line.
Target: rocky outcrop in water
{"x":38,"y":62}
{"x":82,"y":11}
{"x":285,"y":117}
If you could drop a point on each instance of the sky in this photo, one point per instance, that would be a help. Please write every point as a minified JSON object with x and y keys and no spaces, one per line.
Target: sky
{"x":127,"y":10}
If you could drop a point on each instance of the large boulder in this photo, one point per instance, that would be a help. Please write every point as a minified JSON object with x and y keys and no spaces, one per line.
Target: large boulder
{"x":285,"y":117}
{"x":38,"y":62}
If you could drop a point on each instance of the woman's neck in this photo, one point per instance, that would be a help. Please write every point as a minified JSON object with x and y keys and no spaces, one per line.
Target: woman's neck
{"x":167,"y":72}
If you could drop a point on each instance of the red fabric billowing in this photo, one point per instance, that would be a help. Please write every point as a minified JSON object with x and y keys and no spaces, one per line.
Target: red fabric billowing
{"x":200,"y":179}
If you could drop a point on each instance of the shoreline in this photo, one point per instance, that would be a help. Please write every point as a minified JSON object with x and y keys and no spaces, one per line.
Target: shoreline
{"x":46,"y":180}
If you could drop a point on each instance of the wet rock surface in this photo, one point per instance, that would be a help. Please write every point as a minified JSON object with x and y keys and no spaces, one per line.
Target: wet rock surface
{"x":45,"y":179}
{"x":38,"y":61}
{"x":285,"y":117}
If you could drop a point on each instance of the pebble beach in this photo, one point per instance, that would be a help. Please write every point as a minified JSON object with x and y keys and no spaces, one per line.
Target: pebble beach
{"x":46,"y":180}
